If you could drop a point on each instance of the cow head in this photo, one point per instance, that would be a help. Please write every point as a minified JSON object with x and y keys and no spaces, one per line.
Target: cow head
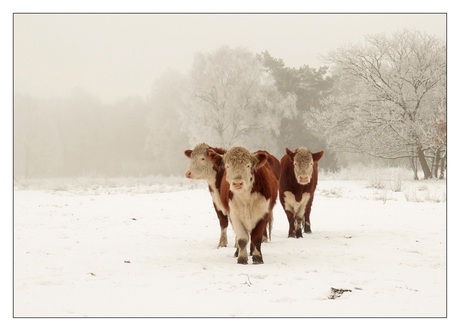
{"x":200,"y":166}
{"x":303,"y":161}
{"x":240,"y":166}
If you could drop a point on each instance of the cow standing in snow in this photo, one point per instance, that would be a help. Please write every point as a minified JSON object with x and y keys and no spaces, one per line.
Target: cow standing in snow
{"x":298,"y":180}
{"x":248,"y":191}
{"x":201,"y":167}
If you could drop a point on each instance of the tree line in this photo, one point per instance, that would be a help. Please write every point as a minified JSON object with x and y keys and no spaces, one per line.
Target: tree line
{"x":385,"y":99}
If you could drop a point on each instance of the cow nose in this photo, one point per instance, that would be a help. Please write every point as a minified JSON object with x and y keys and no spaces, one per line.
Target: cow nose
{"x":304,"y":179}
{"x":237,"y":183}
{"x":188,"y":174}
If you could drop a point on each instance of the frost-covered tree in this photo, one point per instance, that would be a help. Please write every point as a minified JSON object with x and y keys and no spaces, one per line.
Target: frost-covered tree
{"x":165,"y":140}
{"x":384,"y":97}
{"x":234,"y":101}
{"x":37,"y":142}
{"x":309,"y":85}
{"x":437,"y":138}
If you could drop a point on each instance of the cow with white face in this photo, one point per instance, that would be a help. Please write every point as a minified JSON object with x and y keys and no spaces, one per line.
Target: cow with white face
{"x":248,"y":192}
{"x":303,"y":165}
{"x":201,"y":167}
{"x":298,"y":180}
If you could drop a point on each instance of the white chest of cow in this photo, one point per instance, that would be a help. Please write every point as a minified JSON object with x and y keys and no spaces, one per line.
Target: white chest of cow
{"x":248,"y":208}
{"x":294,"y":206}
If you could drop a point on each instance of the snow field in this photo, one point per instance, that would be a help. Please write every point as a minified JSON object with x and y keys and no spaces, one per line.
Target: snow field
{"x":123,"y":253}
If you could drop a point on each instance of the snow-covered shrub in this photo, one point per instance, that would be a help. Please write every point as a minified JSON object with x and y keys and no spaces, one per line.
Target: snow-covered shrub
{"x":383,"y":195}
{"x":333,"y":192}
{"x":425,"y":193}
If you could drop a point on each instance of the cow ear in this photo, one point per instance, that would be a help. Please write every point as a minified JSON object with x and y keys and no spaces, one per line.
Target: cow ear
{"x":261,"y":159}
{"x":216,"y":158}
{"x":290,"y":153}
{"x":219,"y":150}
{"x":188,"y":153}
{"x":317,"y":156}
{"x":210,"y":149}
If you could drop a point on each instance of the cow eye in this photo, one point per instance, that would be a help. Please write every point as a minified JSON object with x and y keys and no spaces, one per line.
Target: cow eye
{"x":202,"y":158}
{"x":248,"y":166}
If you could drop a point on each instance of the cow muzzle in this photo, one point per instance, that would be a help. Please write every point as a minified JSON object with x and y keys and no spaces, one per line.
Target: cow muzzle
{"x":237,"y":184}
{"x":188,"y":174}
{"x":303,"y":180}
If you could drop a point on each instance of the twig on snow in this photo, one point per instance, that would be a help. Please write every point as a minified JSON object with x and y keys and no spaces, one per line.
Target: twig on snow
{"x":248,"y":281}
{"x":337,"y":292}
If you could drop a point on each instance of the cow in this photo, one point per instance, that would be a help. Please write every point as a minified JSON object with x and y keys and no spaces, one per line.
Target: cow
{"x":248,"y":191}
{"x":201,"y":167}
{"x":275,"y":167}
{"x":297,"y":184}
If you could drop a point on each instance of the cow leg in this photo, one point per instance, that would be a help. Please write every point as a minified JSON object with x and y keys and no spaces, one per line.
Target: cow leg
{"x":223,"y":221}
{"x":256,"y":240}
{"x":270,"y":225}
{"x":223,"y":238}
{"x":242,"y":251}
{"x":307,"y":224}
{"x":268,"y":229}
{"x":265,"y":236}
{"x":236,"y":248}
{"x":290,"y":217}
{"x":298,"y":226}
{"x":242,"y":241}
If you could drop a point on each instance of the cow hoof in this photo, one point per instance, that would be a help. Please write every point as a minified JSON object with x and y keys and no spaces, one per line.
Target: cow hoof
{"x":222,"y":243}
{"x":298,"y":234}
{"x":291,"y":235}
{"x":242,"y":260}
{"x":257,"y":259}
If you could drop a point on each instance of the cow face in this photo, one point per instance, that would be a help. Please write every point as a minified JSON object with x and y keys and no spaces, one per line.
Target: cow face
{"x":240,"y":166}
{"x":303,"y":161}
{"x":200,"y":166}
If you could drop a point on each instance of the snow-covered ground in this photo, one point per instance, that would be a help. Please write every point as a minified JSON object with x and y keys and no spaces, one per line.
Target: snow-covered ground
{"x":150,"y":251}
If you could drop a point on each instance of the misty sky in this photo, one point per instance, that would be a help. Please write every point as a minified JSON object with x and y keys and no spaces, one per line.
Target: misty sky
{"x":114,"y":56}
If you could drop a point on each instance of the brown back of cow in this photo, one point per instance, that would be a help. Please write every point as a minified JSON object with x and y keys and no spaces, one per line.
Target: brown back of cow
{"x":273,"y":163}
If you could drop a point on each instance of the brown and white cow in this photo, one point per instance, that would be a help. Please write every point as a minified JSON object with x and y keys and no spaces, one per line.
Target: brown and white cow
{"x":298,"y":180}
{"x":201,"y":167}
{"x":249,"y":192}
{"x":275,"y":167}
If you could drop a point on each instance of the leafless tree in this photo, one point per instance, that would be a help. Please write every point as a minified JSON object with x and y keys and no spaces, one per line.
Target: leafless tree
{"x":384,"y":100}
{"x":233,"y":100}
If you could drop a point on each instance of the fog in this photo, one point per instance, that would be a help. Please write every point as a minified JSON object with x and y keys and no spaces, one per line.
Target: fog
{"x":116,"y":94}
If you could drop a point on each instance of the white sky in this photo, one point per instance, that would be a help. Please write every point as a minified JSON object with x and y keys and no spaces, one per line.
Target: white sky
{"x":118,"y":55}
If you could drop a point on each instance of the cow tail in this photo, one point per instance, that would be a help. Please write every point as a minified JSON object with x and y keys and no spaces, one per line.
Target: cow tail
{"x":270,"y":226}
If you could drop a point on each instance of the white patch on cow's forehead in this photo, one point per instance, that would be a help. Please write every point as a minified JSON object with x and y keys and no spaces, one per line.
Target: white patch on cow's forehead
{"x":237,"y":155}
{"x":200,"y":149}
{"x":303,"y":155}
